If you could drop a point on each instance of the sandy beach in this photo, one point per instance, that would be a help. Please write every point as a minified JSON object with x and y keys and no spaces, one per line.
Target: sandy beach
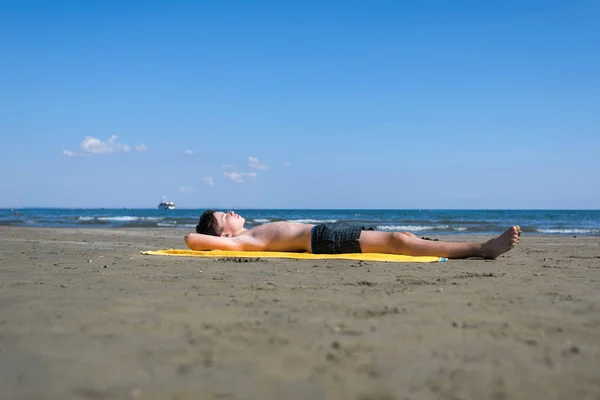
{"x":83,"y":315}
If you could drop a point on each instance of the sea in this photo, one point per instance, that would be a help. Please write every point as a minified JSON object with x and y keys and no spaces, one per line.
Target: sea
{"x":423,"y":222}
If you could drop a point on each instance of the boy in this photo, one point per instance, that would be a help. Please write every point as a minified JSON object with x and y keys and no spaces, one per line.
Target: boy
{"x":225,"y":231}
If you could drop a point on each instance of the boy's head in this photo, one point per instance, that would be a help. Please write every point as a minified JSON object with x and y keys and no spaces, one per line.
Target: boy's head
{"x":208,"y":224}
{"x":217,"y":223}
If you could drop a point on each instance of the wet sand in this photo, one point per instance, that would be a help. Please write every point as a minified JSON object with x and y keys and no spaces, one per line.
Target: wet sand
{"x":84,"y":316}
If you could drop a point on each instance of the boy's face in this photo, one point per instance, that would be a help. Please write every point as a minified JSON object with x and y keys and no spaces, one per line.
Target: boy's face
{"x":229,"y":221}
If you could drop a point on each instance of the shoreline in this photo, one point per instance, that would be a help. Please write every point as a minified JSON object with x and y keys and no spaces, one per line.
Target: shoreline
{"x":445,"y":223}
{"x":84,"y":315}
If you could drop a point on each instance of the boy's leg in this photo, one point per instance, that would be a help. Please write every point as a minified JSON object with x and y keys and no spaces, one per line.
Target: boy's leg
{"x":410,"y":245}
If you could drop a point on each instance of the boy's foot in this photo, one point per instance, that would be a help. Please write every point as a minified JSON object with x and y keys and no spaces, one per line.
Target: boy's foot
{"x":501,"y":244}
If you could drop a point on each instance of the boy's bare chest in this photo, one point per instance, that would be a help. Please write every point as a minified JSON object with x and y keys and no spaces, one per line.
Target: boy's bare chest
{"x":283,"y":235}
{"x":283,"y":230}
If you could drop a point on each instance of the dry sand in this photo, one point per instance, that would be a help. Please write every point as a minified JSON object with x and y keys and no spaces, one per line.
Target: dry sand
{"x":84,"y":316}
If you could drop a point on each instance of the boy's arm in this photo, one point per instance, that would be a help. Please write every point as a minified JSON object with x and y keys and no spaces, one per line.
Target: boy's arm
{"x":198,"y":241}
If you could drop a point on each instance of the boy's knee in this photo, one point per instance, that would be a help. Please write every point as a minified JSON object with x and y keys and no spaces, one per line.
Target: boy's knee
{"x":400,"y":242}
{"x":401,"y":236}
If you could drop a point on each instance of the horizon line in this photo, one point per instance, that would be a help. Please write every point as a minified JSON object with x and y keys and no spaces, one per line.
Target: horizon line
{"x":310,"y":208}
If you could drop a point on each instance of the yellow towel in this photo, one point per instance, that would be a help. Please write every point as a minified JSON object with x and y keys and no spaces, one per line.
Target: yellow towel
{"x":305,"y":256}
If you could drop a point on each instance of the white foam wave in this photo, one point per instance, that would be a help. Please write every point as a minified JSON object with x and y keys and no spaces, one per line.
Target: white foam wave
{"x":174,"y":225}
{"x":574,"y":230}
{"x":460,"y":228}
{"x":122,"y":218}
{"x":262,"y":220}
{"x":312,"y":221}
{"x":411,"y":227}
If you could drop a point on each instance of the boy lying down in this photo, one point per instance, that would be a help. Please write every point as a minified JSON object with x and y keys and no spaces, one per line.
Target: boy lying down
{"x":225,"y":231}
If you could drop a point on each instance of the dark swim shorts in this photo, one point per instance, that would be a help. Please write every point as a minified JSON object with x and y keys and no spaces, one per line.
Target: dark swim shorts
{"x":336,"y":238}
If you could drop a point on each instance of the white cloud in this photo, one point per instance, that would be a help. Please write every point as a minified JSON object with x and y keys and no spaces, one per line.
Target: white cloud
{"x":239,"y":177}
{"x":188,"y":152}
{"x":186,"y":189}
{"x":96,"y":146}
{"x":209,"y":180}
{"x":254,"y":163}
{"x":92,"y":145}
{"x":228,"y":166}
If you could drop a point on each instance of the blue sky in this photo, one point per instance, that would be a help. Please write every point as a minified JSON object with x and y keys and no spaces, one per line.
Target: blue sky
{"x":300,"y":104}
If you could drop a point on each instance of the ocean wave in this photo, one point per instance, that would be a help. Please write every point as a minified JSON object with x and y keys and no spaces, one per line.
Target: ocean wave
{"x":90,"y":222}
{"x":412,"y":227}
{"x":124,"y":218}
{"x":312,"y":221}
{"x":461,"y":221}
{"x":9,"y":222}
{"x":262,"y":220}
{"x":174,"y":225}
{"x":569,"y":230}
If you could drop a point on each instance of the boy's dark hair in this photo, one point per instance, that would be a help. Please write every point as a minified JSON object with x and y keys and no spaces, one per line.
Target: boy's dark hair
{"x":208,"y":224}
